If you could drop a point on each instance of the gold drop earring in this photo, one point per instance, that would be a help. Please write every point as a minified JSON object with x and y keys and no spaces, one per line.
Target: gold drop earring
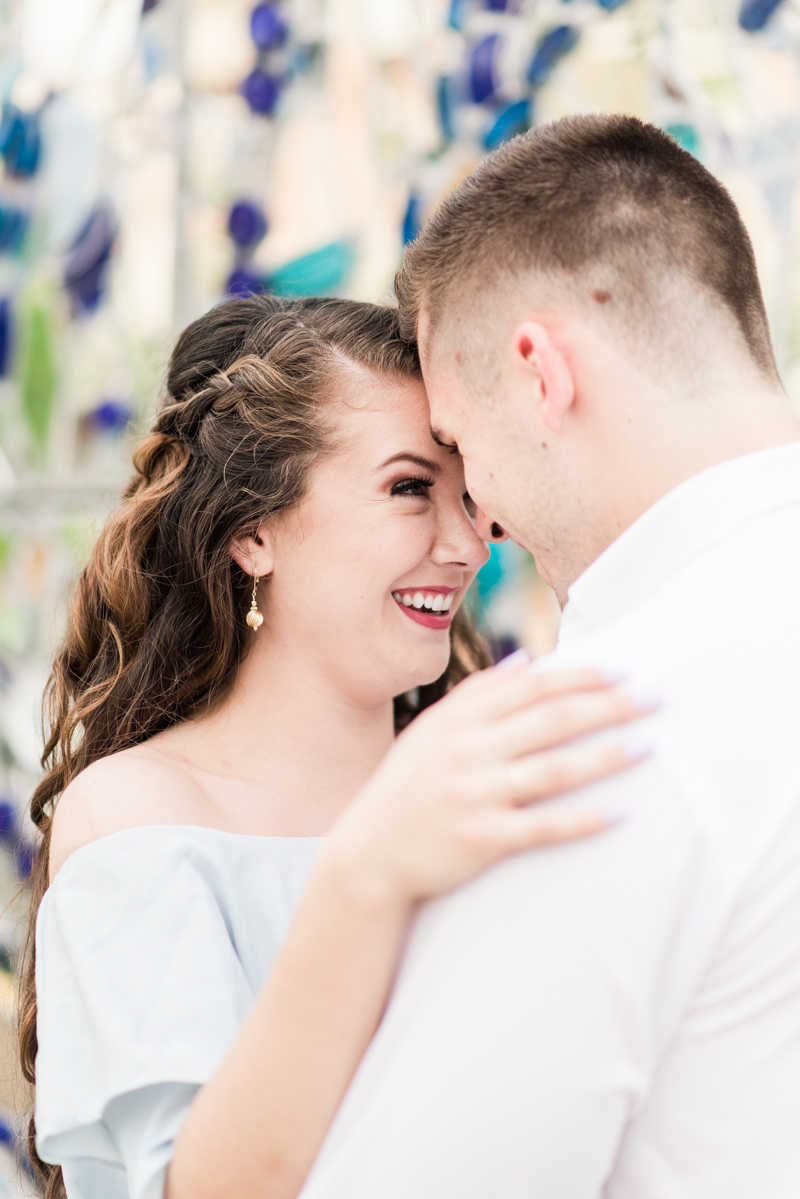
{"x":254,"y":618}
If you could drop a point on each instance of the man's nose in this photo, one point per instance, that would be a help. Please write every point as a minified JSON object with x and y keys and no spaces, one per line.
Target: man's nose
{"x":488,"y":529}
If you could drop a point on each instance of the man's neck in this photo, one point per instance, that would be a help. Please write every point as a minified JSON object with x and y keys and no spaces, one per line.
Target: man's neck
{"x":671,"y":451}
{"x":637,"y":470}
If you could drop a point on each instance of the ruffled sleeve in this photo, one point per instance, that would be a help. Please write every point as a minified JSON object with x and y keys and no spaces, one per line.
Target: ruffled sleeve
{"x":141,"y":991}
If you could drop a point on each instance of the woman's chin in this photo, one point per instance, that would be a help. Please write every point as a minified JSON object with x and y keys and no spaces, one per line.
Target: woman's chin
{"x":426,"y":671}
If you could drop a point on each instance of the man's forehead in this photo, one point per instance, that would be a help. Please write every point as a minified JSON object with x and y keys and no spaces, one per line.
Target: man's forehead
{"x":423,"y":327}
{"x":438,"y":353}
{"x":425,"y":341}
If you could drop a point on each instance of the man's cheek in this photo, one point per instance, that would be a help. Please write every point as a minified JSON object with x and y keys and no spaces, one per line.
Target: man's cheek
{"x":481,"y":485}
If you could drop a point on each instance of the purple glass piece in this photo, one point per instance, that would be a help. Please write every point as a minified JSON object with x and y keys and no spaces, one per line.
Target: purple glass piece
{"x":550,"y":49}
{"x":6,"y":334}
{"x":247,"y":224}
{"x":85,"y":269}
{"x":242,"y":282}
{"x":754,"y":14}
{"x":112,"y":416}
{"x":24,"y":859}
{"x":261,"y":91}
{"x":8,"y":818}
{"x":86,"y":291}
{"x":267,"y":29}
{"x":481,"y":74}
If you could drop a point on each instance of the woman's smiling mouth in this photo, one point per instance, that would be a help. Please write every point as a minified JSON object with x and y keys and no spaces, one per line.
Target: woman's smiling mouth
{"x":428,"y":606}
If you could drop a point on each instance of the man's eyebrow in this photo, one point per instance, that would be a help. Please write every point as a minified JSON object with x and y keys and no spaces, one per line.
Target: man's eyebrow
{"x":425,"y":463}
{"x":446,"y":445}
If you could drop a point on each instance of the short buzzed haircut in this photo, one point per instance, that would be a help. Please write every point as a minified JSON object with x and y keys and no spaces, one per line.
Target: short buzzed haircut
{"x":608,"y":199}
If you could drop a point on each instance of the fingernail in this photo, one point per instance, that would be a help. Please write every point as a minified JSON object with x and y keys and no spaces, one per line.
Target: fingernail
{"x":614,"y":816}
{"x":646,"y":701}
{"x":516,"y":659}
{"x":636,"y":749}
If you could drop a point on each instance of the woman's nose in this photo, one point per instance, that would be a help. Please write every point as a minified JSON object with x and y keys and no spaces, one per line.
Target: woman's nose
{"x":488,"y":529}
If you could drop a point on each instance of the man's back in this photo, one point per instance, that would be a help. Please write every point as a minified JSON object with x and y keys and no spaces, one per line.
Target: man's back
{"x":623,"y":1017}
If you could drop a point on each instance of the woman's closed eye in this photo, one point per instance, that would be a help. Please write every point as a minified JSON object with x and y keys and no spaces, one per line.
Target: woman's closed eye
{"x":417,"y":486}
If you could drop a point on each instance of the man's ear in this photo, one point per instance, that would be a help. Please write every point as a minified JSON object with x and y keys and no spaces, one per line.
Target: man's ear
{"x":533,"y":344}
{"x":255,"y":553}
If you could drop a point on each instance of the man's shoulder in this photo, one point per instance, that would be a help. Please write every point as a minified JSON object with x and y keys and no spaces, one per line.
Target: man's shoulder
{"x":726,"y":736}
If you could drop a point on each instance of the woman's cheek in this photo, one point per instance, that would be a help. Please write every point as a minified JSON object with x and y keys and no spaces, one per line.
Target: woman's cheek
{"x":416,"y":537}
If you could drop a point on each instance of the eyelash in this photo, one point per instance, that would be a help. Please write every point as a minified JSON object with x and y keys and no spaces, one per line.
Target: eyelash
{"x":405,"y":485}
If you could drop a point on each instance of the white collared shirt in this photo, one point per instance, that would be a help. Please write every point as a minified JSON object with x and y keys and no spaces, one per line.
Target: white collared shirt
{"x":621,"y":1017}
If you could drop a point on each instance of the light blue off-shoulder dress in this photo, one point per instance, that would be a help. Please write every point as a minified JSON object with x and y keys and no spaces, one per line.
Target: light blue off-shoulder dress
{"x":151,"y":946}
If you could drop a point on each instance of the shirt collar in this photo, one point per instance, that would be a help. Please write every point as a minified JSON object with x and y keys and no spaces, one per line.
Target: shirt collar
{"x":683,"y":523}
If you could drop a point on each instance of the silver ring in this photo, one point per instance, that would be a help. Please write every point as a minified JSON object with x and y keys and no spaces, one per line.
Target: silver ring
{"x":519,"y":779}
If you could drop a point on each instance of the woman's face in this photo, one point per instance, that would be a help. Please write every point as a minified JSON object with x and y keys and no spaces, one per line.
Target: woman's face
{"x":371,"y":567}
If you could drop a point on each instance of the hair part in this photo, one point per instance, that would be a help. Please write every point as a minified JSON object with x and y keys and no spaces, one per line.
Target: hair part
{"x":611,"y":214}
{"x":157,"y":629}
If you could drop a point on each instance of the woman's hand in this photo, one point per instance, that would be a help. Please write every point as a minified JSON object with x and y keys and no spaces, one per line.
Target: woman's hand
{"x":454,"y":794}
{"x":457,"y":791}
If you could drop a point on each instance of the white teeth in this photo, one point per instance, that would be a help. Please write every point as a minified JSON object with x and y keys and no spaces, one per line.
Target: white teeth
{"x":432,"y":601}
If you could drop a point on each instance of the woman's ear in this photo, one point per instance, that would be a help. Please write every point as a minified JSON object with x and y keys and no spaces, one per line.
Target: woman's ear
{"x":255,"y":553}
{"x":533,"y":344}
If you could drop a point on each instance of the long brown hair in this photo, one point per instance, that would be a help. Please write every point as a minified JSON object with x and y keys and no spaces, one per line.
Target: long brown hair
{"x":156,"y":629}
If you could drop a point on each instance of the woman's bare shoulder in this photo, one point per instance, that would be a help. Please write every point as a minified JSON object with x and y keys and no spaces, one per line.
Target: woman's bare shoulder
{"x":129,"y":789}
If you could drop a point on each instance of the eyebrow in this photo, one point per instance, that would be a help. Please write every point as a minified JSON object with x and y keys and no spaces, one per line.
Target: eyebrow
{"x":425,"y":463}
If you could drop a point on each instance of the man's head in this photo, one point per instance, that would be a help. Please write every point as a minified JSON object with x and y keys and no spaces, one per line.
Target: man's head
{"x":587,"y":306}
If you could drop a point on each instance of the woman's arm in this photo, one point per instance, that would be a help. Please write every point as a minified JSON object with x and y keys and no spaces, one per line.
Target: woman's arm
{"x":256,"y":1128}
{"x":451,"y":798}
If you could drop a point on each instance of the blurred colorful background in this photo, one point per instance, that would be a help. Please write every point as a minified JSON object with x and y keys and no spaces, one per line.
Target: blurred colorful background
{"x":158,"y":156}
